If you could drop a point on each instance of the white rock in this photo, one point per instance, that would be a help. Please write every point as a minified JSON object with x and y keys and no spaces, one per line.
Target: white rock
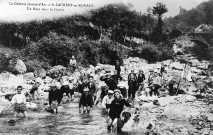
{"x":20,"y":66}
{"x":190,"y":98}
{"x":31,"y":105}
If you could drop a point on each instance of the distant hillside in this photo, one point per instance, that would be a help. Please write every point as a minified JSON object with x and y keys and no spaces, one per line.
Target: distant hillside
{"x":188,"y":20}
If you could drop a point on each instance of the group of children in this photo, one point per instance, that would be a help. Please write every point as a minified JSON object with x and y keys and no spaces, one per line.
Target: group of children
{"x":111,"y":97}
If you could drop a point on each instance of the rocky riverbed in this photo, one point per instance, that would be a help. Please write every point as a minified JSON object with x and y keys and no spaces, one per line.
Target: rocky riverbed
{"x":183,"y":114}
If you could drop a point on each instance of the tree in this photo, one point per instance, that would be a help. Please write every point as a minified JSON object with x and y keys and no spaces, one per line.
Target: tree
{"x":159,"y":10}
{"x":117,"y":21}
{"x":208,"y":9}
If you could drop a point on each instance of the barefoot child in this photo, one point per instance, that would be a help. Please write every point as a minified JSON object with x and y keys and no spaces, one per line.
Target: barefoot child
{"x":86,"y":101}
{"x":19,"y":102}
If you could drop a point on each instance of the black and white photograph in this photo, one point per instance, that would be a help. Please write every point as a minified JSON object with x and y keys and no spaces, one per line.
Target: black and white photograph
{"x":106,"y":67}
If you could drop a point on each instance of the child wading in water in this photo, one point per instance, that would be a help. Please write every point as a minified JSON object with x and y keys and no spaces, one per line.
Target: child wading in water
{"x":19,"y":102}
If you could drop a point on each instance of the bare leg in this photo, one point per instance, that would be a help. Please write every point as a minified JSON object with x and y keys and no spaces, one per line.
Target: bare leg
{"x":88,"y":109}
{"x":56,"y":108}
{"x":84,"y":109}
{"x":25,"y":113}
{"x":109,"y":124}
{"x":114,"y":125}
{"x":72,"y":97}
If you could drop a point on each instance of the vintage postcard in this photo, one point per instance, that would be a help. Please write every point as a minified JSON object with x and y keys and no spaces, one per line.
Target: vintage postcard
{"x":101,"y":67}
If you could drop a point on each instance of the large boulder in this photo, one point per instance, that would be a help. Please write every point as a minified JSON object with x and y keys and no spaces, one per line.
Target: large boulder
{"x":183,"y":111}
{"x":3,"y":104}
{"x":194,"y":62}
{"x":190,"y":98}
{"x":40,"y":72}
{"x":57,"y":68}
{"x":4,"y":76}
{"x":19,"y":66}
{"x":29,"y":76}
{"x":177,"y":65}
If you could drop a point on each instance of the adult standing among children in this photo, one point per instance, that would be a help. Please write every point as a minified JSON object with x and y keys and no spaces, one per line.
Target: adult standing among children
{"x":162,"y":68}
{"x":73,"y":63}
{"x":19,"y":102}
{"x":126,"y":64}
{"x":118,"y":67}
{"x":97,"y":76}
{"x":141,"y":77}
{"x":132,"y":82}
{"x":165,"y":78}
{"x":150,"y":78}
{"x":157,"y":80}
{"x":116,"y":107}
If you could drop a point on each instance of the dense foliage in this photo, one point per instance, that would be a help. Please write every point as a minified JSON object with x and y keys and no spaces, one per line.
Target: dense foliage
{"x":101,"y":36}
{"x":187,"y":21}
{"x":58,"y":49}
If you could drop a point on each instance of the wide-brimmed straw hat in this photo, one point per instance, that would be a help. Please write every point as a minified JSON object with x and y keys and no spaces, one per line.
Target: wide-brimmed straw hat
{"x":117,"y":90}
{"x":110,"y":92}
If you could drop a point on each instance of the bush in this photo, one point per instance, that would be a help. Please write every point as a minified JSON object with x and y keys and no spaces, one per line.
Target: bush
{"x":150,"y":53}
{"x":153,"y":53}
{"x":57,"y":50}
{"x":199,"y":51}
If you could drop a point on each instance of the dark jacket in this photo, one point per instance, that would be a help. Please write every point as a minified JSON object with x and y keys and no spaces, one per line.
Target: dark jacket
{"x":111,"y":82}
{"x":134,"y":78}
{"x":162,"y":69}
{"x":81,"y":87}
{"x":55,"y":95}
{"x":86,"y":100}
{"x":116,"y":77}
{"x":67,"y":90}
{"x":117,"y":67}
{"x":132,"y":82}
{"x":92,"y":87}
{"x":141,"y":78}
{"x":116,"y":107}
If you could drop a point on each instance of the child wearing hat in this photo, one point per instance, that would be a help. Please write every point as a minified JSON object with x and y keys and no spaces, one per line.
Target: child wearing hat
{"x":107,"y":100}
{"x":116,"y":107}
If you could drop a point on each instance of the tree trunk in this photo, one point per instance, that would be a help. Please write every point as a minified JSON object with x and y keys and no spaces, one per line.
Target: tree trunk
{"x":125,"y":38}
{"x":10,"y":43}
{"x":101,"y":34}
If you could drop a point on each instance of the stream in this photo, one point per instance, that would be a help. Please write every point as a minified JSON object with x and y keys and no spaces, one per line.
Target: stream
{"x":67,"y":121}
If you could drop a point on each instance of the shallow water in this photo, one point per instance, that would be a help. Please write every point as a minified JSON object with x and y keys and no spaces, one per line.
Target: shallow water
{"x":68,"y":121}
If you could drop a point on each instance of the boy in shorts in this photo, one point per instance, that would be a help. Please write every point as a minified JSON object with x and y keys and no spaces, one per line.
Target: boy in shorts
{"x":19,"y":102}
